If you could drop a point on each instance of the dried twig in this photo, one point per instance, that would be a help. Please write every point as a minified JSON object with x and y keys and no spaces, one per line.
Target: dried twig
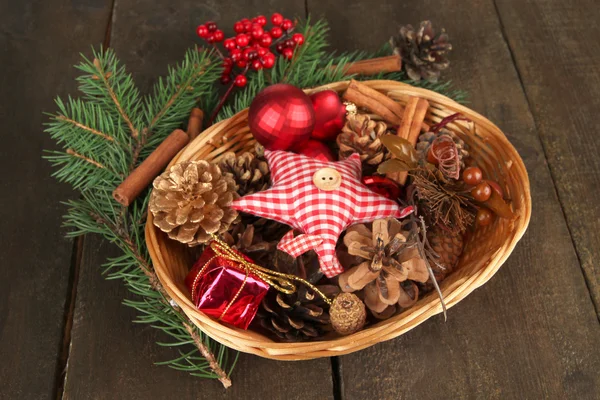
{"x":212,"y":361}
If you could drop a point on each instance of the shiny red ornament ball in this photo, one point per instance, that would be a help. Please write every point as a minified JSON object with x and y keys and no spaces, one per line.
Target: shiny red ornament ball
{"x":383,"y":186}
{"x":281,"y":117}
{"x":330,"y":114}
{"x":315,"y":149}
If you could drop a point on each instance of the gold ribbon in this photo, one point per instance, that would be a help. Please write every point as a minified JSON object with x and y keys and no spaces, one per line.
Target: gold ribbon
{"x":277,"y":280}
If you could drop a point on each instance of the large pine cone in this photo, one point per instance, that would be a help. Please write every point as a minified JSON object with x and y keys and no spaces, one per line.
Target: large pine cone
{"x":423,"y":52}
{"x":250,"y":172}
{"x":300,"y":316}
{"x":248,"y":240}
{"x":362,"y":135}
{"x":192,"y":200}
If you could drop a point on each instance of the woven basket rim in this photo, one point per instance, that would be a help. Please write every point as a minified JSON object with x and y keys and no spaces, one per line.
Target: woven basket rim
{"x":255,"y":343}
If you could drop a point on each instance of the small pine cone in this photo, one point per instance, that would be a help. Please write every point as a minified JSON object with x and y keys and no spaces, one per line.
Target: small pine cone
{"x":425,"y":140}
{"x":250,"y":172}
{"x":449,"y":246}
{"x":423,"y":52}
{"x":302,"y":315}
{"x":347,"y":313}
{"x":192,"y":200}
{"x":244,"y":238}
{"x":362,"y":135}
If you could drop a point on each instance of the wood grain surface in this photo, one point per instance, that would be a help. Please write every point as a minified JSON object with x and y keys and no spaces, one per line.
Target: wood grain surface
{"x":528,"y":333}
{"x":557,"y":60}
{"x":39,"y":43}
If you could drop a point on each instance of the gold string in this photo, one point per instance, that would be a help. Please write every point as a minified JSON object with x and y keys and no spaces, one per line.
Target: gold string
{"x":277,"y":280}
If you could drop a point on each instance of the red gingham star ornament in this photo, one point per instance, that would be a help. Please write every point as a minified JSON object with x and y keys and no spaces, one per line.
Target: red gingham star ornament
{"x":320,"y":199}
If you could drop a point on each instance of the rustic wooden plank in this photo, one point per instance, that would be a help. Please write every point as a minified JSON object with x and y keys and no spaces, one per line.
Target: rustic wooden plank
{"x":560,"y":68}
{"x":111,"y":357}
{"x":38,"y":45}
{"x":530,"y":332}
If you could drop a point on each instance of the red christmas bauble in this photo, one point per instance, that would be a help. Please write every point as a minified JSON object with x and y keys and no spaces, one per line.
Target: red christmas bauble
{"x":281,"y":117}
{"x":383,"y":186}
{"x":330,"y":115}
{"x":315,"y":149}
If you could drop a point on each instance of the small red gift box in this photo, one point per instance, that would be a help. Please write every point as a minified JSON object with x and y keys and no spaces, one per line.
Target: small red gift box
{"x":222,"y":288}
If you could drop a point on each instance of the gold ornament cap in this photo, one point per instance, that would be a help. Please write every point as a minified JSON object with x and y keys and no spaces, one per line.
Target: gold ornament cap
{"x":347,"y":314}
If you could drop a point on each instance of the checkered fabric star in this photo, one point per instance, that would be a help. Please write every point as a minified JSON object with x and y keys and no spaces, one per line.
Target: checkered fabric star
{"x":320,"y":199}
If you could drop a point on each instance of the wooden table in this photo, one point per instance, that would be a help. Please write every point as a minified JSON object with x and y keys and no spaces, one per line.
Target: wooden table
{"x":532,"y":332}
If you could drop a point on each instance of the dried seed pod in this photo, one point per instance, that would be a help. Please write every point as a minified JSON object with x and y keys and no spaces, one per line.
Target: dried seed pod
{"x":347,"y":313}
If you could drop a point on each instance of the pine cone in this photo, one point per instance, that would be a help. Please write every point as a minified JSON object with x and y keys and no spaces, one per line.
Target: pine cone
{"x":425,"y":140}
{"x":245,"y":239}
{"x":423,"y":52}
{"x":387,"y":263}
{"x":250,"y":172}
{"x":300,"y":316}
{"x":361,"y":135}
{"x":191,"y":201}
{"x":449,"y":246}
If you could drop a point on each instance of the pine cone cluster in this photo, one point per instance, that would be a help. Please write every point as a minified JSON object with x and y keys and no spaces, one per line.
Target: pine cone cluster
{"x":388,"y":268}
{"x":427,"y":138}
{"x":302,"y":315}
{"x":250,"y":171}
{"x":192,"y":200}
{"x":362,"y":135}
{"x":423,"y":52}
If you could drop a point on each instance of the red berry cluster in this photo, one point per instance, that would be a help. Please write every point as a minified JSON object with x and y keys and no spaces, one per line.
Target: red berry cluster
{"x":251,"y":46}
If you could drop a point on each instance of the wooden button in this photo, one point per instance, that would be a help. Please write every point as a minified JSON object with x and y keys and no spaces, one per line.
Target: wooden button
{"x":327,"y":179}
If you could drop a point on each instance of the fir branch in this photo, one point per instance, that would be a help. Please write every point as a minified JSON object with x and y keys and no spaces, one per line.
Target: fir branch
{"x":84,"y":127}
{"x":104,"y":78}
{"x":87,"y":159}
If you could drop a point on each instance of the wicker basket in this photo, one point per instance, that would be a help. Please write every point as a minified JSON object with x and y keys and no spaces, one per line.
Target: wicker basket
{"x":484,"y":253}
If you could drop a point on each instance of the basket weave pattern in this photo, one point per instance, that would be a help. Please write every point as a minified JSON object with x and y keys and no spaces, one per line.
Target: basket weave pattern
{"x":484,"y":253}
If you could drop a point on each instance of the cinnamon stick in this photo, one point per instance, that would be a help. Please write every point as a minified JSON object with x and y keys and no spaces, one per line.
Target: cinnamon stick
{"x":373,"y":104}
{"x":195,"y":123}
{"x":392,"y":105}
{"x":374,"y":66}
{"x":410,"y":128}
{"x":141,"y":177}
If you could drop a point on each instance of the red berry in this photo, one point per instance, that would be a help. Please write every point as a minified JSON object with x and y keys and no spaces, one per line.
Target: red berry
{"x":276,"y":32}
{"x":279,"y":47}
{"x":265,"y":40}
{"x":227,"y":62}
{"x":261,"y":20}
{"x":287,"y":53}
{"x":496,"y":187}
{"x":481,"y":192}
{"x":289,"y":43}
{"x":229,"y":44}
{"x":241,"y":63}
{"x":238,"y":27}
{"x":210,"y":38}
{"x":472,"y":176}
{"x":287,"y":24}
{"x":247,"y":26}
{"x":240,"y":81}
{"x":484,"y":217}
{"x":242,"y":40}
{"x":225,"y":79}
{"x":249,"y":54}
{"x":256,"y":65}
{"x":218,"y":35}
{"x":211,"y":26}
{"x":268,"y":60}
{"x":257,"y":31}
{"x":298,"y":38}
{"x":276,"y":19}
{"x":202,"y":31}
{"x":261,"y":51}
{"x":235,"y":54}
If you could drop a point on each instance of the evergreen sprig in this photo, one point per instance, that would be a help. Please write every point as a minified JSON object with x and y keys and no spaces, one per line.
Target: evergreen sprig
{"x":107,"y":132}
